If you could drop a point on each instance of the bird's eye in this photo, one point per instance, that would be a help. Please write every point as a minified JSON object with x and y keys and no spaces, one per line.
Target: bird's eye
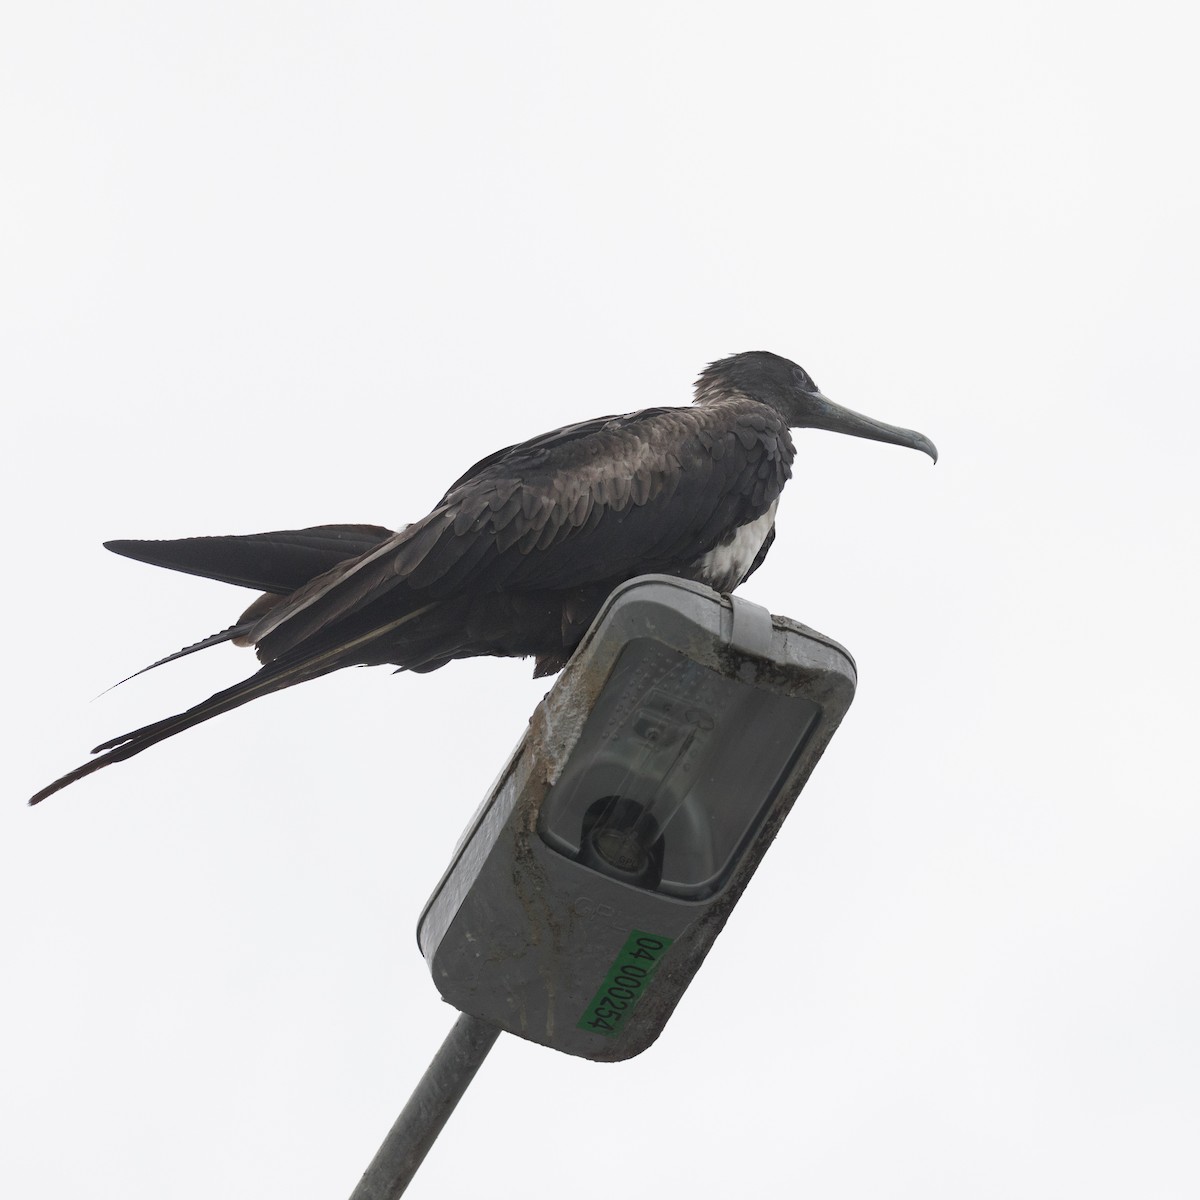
{"x":802,"y":379}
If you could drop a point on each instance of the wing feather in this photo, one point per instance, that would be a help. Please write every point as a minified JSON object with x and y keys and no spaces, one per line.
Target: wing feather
{"x":279,"y":561}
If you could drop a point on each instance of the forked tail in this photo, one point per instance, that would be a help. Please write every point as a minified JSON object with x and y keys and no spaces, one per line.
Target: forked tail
{"x":118,"y":749}
{"x":297,"y":667}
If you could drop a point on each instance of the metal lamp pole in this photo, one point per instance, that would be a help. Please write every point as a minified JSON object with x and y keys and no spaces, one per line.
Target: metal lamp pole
{"x":428,"y":1109}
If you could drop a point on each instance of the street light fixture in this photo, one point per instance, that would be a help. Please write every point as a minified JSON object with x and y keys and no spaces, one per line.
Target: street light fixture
{"x":595,"y":877}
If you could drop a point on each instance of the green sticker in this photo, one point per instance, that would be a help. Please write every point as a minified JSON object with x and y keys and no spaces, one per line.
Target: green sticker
{"x":624,"y":983}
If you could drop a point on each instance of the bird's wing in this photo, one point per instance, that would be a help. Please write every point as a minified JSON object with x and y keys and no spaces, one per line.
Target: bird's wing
{"x":606,"y":499}
{"x":279,"y":561}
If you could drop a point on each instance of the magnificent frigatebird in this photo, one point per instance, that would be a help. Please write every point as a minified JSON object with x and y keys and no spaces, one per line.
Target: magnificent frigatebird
{"x":518,"y":556}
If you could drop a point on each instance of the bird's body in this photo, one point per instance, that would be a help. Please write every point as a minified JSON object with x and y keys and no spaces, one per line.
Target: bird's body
{"x":522,"y":550}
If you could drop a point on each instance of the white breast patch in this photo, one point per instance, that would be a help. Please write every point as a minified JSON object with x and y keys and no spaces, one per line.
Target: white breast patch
{"x":724,"y":567}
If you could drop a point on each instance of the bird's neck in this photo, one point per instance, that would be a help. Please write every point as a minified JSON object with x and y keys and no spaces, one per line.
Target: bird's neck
{"x":716,"y":396}
{"x":708,"y":393}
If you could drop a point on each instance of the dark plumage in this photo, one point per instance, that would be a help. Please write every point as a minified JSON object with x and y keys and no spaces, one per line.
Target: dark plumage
{"x":520,"y":553}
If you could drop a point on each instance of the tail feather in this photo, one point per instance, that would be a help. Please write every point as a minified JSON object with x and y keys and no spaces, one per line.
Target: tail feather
{"x":125,"y":746}
{"x":274,"y":677}
{"x":213,"y":639}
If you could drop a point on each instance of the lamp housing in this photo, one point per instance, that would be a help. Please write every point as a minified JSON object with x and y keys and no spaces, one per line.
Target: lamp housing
{"x":594,"y":878}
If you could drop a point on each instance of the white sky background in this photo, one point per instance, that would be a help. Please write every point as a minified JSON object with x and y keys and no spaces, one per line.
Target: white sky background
{"x":266,"y":265}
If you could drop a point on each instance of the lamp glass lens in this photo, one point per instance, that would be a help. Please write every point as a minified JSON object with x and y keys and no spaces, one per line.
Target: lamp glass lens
{"x":676,"y":766}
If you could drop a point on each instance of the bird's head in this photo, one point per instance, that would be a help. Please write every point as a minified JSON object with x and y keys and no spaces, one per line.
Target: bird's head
{"x":790,"y":390}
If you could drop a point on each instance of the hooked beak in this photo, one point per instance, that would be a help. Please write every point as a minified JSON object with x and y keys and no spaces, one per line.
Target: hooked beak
{"x":816,"y":411}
